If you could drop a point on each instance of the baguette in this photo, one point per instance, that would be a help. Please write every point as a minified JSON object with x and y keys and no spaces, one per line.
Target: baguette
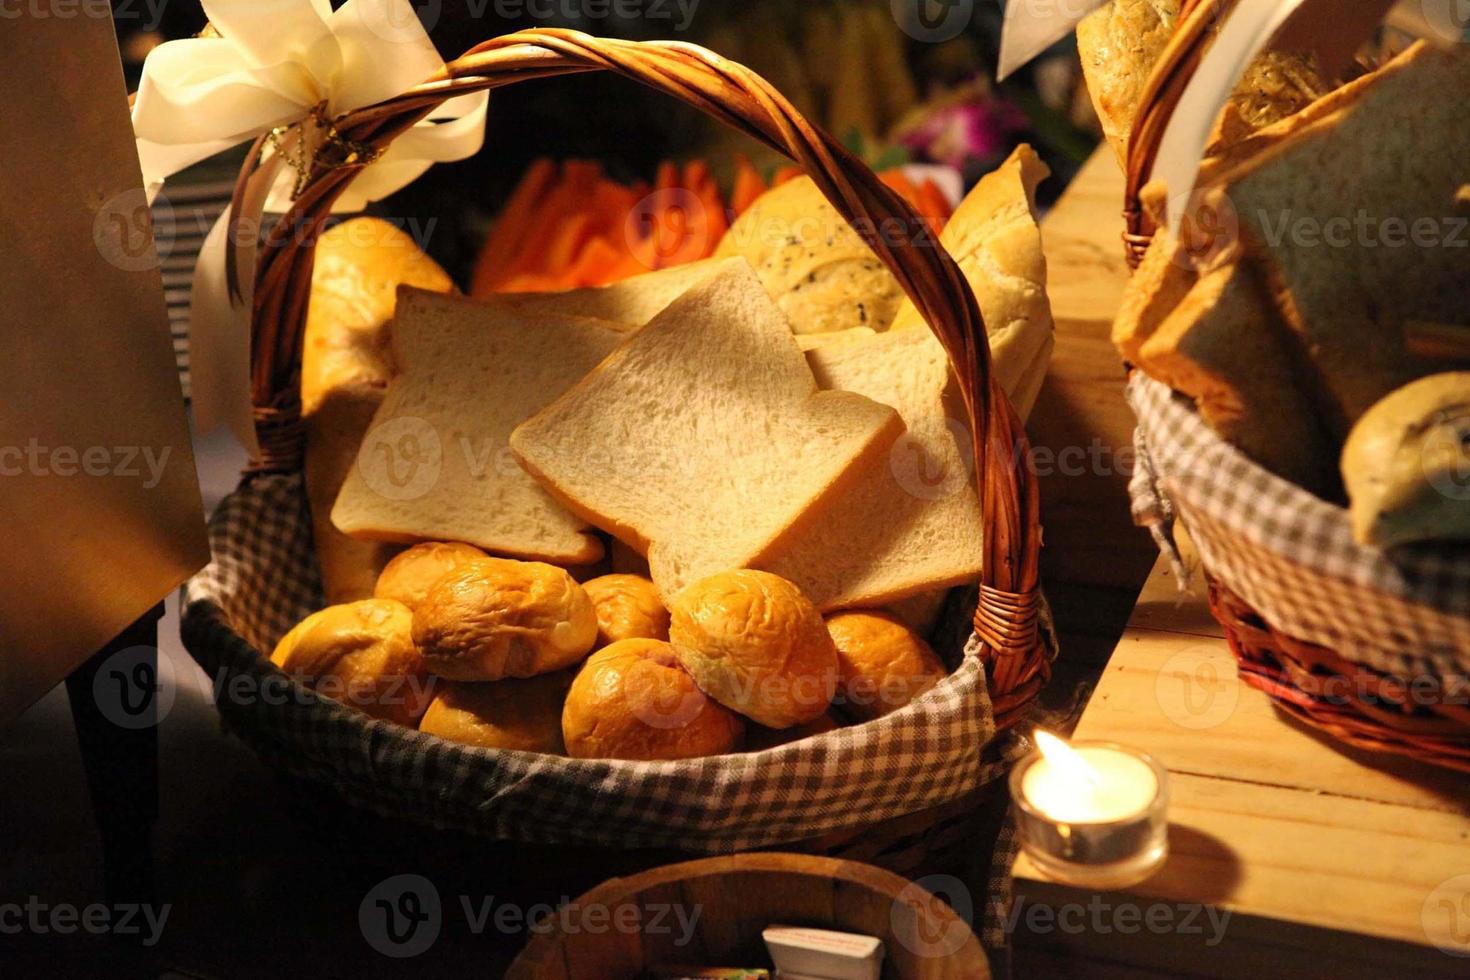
{"x":346,"y":364}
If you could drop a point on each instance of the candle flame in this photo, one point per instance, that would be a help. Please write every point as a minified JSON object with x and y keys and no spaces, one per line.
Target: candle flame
{"x":1065,"y":759}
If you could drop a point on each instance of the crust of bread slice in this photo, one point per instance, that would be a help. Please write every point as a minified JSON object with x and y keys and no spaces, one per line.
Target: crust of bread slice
{"x":1224,"y":346}
{"x":627,"y":304}
{"x":703,"y":440}
{"x":435,"y":464}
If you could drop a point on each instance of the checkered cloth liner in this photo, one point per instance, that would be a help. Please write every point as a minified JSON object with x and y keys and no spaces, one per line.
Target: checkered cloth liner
{"x":1292,"y":556}
{"x":264,"y":579}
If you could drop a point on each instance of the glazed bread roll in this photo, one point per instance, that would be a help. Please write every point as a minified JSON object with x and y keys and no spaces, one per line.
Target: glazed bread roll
{"x":633,"y":700}
{"x":1406,"y":461}
{"x":758,"y":646}
{"x":882,"y":664}
{"x":523,"y":715}
{"x":627,"y":607}
{"x":494,"y":618}
{"x":410,"y":575}
{"x":362,"y":654}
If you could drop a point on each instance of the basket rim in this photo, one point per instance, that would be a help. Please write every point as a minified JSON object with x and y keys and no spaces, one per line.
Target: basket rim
{"x":1208,"y":480}
{"x":940,"y":748}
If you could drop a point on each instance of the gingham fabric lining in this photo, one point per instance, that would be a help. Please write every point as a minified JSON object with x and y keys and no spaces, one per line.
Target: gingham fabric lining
{"x":1292,"y":556}
{"x":263,"y":579}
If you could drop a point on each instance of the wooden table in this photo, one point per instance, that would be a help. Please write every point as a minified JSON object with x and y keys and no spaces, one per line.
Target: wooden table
{"x":1329,"y":862}
{"x":1094,"y":560}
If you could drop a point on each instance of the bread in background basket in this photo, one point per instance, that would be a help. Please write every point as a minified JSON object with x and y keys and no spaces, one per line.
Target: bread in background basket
{"x":1334,"y":237}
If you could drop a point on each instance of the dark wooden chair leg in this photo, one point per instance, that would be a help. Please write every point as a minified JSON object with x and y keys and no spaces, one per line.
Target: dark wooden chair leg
{"x":114,"y":705}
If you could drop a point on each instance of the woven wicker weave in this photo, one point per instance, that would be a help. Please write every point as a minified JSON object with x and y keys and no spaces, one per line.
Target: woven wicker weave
{"x":1354,"y":703}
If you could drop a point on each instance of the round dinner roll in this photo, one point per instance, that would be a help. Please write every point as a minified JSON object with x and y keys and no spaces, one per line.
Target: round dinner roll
{"x":362,"y":654}
{"x":524,"y":715}
{"x":882,"y":664}
{"x":628,"y":607}
{"x":493,"y":618}
{"x":410,"y":575}
{"x":758,"y":646}
{"x":633,"y":700}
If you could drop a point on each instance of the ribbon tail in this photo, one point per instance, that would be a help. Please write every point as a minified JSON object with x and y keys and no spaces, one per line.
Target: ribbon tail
{"x":220,"y":307}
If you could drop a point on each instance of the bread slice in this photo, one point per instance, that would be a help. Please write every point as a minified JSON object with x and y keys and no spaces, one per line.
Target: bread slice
{"x":703,"y":440}
{"x":1357,"y":223}
{"x":1224,"y":345}
{"x":356,"y":272}
{"x":346,"y":365}
{"x":994,"y":238}
{"x":907,"y":527}
{"x":434,"y":465}
{"x":628,"y":304}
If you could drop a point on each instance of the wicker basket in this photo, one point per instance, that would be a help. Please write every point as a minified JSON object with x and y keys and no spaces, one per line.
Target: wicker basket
{"x":1373,"y":650}
{"x":263,"y":574}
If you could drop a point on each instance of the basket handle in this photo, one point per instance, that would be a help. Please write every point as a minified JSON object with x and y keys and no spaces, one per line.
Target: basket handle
{"x":1166,"y":85}
{"x":1008,"y":613}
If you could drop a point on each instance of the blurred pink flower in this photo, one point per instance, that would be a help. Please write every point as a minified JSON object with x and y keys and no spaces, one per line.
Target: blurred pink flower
{"x":954,"y":134}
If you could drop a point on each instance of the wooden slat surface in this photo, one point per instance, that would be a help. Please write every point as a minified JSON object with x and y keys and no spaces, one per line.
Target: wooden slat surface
{"x":1325,"y":858}
{"x":1315,"y":849}
{"x":1081,"y":422}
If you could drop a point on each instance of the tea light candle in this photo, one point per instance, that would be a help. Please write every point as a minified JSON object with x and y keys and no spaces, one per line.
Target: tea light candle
{"x":1091,"y":814}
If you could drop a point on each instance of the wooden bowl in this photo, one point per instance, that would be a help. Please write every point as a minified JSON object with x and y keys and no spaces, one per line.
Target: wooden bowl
{"x":625,"y":925}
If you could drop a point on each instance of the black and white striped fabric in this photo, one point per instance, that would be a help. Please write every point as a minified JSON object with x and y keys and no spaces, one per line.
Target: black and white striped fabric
{"x":1291,"y":555}
{"x":182,"y":216}
{"x":263,"y":579}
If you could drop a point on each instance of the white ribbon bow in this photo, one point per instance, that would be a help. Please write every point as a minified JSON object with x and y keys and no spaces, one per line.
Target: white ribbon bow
{"x":277,"y":63}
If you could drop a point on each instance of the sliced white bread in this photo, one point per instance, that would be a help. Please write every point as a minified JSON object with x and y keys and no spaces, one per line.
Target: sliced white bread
{"x":910,"y":526}
{"x":629,"y":304}
{"x":914,"y":526}
{"x":703,"y":440}
{"x":809,"y":341}
{"x":435,"y":464}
